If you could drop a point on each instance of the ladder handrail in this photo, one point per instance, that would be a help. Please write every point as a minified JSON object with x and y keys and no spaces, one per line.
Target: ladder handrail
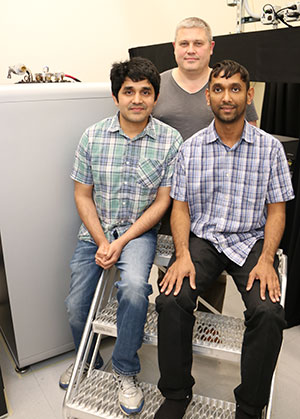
{"x":85,"y":342}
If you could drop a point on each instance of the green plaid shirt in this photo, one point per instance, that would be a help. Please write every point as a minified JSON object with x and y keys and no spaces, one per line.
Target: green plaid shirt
{"x":126,"y":173}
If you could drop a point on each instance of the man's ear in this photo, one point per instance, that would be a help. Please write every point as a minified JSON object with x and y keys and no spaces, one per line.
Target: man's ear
{"x":115,"y":100}
{"x":207,"y":97}
{"x":250,"y":95}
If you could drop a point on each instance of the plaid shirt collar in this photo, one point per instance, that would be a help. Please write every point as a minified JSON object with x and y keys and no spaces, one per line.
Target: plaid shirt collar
{"x":148,"y":130}
{"x":213,"y":136}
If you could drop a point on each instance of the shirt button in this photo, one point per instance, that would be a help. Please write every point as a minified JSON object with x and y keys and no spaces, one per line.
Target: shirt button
{"x":124,"y":203}
{"x":125,"y":183}
{"x":127,"y":162}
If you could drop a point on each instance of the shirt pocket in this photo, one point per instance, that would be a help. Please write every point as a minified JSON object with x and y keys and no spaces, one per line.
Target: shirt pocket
{"x":255,"y":185}
{"x":150,"y":173}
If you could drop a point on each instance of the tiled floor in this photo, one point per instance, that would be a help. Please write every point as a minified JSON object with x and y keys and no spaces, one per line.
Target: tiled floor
{"x":36,"y":394}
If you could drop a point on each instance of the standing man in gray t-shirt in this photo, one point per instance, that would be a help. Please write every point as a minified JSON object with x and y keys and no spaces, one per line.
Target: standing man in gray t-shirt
{"x":182,"y":103}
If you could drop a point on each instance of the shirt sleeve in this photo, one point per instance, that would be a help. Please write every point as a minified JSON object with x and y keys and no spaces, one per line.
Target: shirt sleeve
{"x":280,"y":187}
{"x":171,"y":160}
{"x":179,"y":181}
{"x":82,"y":172}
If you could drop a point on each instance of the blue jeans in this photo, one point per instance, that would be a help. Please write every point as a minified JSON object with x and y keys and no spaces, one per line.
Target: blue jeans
{"x":134,"y":264}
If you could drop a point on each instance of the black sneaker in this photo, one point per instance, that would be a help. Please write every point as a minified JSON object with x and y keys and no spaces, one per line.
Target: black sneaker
{"x":173,"y":409}
{"x":241,"y":414}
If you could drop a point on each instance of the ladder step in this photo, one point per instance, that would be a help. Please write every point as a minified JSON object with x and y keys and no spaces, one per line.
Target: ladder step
{"x":164,"y":250}
{"x":98,"y":398}
{"x":214,"y":334}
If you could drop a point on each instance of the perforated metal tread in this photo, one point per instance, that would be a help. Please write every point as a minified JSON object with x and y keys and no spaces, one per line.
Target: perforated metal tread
{"x":214,"y":335}
{"x":98,"y":398}
{"x":164,"y":250}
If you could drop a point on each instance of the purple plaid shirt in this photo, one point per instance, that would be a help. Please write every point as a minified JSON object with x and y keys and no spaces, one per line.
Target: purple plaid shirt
{"x":228,"y":189}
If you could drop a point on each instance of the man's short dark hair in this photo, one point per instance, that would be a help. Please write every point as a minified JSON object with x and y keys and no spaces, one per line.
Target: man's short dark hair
{"x":136,"y":69}
{"x":230,"y":68}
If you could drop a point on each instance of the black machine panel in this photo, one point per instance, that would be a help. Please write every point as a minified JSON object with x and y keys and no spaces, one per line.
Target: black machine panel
{"x":270,"y":55}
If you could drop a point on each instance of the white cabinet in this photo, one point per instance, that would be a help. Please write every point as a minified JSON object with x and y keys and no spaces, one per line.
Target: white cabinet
{"x":40,"y":127}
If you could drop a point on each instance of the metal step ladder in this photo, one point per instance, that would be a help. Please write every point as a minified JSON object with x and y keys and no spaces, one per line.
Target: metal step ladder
{"x":93,"y":394}
{"x":98,"y":398}
{"x":214,"y":335}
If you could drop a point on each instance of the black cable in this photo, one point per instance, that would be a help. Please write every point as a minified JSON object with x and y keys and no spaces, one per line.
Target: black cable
{"x":283,"y":21}
{"x":73,"y":78}
{"x":272,"y":7}
{"x":292,"y":7}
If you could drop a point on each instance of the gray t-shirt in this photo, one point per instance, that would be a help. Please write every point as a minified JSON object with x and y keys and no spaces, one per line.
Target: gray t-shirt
{"x":187,"y":112}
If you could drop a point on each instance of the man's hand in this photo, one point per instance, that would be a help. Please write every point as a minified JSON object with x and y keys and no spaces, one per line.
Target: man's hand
{"x":101,"y":254}
{"x":266,"y":274}
{"x":264,"y":270}
{"x":110,"y":254}
{"x":181,"y":268}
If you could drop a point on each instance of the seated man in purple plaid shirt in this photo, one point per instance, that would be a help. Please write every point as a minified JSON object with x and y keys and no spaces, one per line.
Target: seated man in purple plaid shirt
{"x":230,"y":185}
{"x":122,"y":174}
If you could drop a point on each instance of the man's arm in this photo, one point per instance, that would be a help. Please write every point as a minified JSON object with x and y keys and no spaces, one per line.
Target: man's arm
{"x":144,"y":223}
{"x":251,"y":114}
{"x":86,"y":208}
{"x":183,"y":265}
{"x":264,"y":270}
{"x":254,"y":123}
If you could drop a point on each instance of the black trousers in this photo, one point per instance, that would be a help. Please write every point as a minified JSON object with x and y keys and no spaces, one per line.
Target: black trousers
{"x":215,"y":294}
{"x":264,"y":321}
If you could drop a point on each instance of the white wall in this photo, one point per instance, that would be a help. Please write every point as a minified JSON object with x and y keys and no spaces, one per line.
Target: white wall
{"x":84,"y":37}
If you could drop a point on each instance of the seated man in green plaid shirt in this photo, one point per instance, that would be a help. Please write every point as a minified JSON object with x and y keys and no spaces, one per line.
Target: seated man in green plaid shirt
{"x":122,"y":174}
